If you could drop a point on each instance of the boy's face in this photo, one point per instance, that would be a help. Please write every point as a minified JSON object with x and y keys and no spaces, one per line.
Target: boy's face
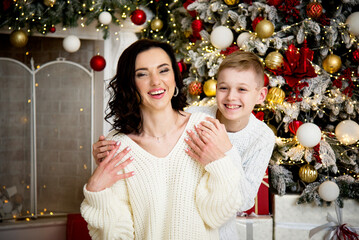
{"x":237,"y":94}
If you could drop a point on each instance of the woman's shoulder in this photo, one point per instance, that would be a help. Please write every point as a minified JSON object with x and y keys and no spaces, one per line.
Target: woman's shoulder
{"x":198,"y":117}
{"x":210,"y":110}
{"x":114,"y":135}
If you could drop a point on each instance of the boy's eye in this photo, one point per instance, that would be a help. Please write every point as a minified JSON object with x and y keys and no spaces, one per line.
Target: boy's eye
{"x":242,"y":89}
{"x":222,"y":88}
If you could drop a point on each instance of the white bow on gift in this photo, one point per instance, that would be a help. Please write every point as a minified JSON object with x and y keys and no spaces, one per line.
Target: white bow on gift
{"x":337,"y":230}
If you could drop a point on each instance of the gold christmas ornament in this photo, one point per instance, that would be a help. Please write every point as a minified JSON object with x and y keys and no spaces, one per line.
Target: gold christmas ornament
{"x":274,"y":60}
{"x":18,"y":38}
{"x":156,"y":24}
{"x":209,"y":88}
{"x":308,"y":173}
{"x":332,"y":63}
{"x":264,"y":29}
{"x":49,"y":3}
{"x":231,"y":2}
{"x":275,"y":95}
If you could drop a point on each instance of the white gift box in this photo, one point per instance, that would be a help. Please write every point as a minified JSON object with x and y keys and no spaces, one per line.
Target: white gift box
{"x":294,"y":221}
{"x":255,"y":228}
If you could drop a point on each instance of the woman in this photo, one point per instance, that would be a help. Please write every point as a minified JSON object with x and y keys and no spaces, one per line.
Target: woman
{"x":152,"y":189}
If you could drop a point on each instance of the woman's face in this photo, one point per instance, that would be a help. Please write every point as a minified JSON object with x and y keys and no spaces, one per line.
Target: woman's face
{"x":154,"y":78}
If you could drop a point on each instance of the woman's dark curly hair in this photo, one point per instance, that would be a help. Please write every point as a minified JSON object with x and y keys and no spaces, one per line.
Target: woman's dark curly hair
{"x":124,"y":103}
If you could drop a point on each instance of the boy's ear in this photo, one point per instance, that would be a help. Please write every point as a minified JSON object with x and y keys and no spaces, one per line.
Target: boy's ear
{"x":262,"y":95}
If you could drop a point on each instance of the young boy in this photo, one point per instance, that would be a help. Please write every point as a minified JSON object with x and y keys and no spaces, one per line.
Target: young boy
{"x":240,"y":86}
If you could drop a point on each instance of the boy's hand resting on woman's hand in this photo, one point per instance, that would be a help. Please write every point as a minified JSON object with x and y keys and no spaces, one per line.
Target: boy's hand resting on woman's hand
{"x":109,"y":171}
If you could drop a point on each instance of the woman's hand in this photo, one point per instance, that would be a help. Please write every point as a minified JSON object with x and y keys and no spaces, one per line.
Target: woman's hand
{"x":107,"y":173}
{"x":211,"y":143}
{"x":102,"y":148}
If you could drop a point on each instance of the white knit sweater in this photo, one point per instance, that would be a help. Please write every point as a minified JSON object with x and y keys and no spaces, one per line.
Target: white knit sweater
{"x":172,"y":197}
{"x":253,"y":146}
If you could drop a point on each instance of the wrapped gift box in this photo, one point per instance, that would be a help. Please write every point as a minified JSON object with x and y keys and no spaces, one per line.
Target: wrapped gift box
{"x":294,"y":221}
{"x":255,"y":228}
{"x":261,"y":204}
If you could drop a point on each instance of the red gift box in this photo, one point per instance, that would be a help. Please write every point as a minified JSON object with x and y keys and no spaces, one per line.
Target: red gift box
{"x":261,"y":204}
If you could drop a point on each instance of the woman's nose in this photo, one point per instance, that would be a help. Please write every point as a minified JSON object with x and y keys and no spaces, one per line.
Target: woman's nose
{"x":155,"y":79}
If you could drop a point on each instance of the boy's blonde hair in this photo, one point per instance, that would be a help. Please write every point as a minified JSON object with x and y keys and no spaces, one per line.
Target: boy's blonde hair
{"x":242,"y":61}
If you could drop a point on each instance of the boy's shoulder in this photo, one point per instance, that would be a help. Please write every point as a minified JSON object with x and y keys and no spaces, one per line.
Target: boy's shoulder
{"x":261,"y":129}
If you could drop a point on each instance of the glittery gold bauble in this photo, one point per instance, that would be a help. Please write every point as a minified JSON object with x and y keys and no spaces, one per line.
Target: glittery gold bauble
{"x":275,"y":95}
{"x":209,"y":88}
{"x":195,"y":88}
{"x":332,"y":63}
{"x":274,"y":60}
{"x":264,"y":29}
{"x":18,"y":38}
{"x":308,"y":173}
{"x":156,"y":24}
{"x":49,"y":3}
{"x":231,"y":2}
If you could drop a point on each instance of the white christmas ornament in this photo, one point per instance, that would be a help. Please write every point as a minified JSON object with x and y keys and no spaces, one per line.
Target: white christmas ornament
{"x":309,"y":134}
{"x":105,"y":18}
{"x":328,"y":191}
{"x":221,"y":37}
{"x":353,"y":23}
{"x":242,"y":38}
{"x":71,"y":43}
{"x":347,"y":132}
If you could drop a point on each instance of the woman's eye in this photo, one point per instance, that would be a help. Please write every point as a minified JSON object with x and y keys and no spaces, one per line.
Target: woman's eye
{"x":242,"y":89}
{"x":222,"y":88}
{"x":140,"y":75}
{"x":164,"y":70}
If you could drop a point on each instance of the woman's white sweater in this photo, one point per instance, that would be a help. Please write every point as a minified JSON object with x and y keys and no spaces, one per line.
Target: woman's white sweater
{"x":173,"y":197}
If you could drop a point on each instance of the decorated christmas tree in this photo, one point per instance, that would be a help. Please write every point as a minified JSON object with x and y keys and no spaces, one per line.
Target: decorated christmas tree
{"x":310,"y":51}
{"x":311,"y":55}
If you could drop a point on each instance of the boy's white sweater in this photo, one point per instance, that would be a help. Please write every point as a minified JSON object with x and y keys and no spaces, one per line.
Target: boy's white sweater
{"x":252,"y":149}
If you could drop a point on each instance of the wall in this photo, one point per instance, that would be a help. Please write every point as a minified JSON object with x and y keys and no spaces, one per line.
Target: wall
{"x":59,"y":172}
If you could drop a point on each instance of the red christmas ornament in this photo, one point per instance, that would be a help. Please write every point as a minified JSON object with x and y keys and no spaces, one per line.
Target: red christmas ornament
{"x":98,"y":63}
{"x":195,"y":88}
{"x":182,"y":66}
{"x":294,"y":125}
{"x":266,"y":80}
{"x":314,"y":10}
{"x":197,"y":26}
{"x":256,"y":21}
{"x":52,"y":29}
{"x":275,"y":3}
{"x":356,"y":56}
{"x":138,"y":17}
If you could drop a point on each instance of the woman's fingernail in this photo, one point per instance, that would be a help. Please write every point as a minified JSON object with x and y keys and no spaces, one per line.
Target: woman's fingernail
{"x":128,"y":148}
{"x":118,"y":143}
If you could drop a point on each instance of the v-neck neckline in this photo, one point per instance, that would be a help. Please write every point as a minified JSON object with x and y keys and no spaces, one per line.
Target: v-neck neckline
{"x":180,"y":139}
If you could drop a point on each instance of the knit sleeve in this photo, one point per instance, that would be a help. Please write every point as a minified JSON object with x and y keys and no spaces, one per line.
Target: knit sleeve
{"x":255,"y":163}
{"x":218,"y":196}
{"x":108,"y":213}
